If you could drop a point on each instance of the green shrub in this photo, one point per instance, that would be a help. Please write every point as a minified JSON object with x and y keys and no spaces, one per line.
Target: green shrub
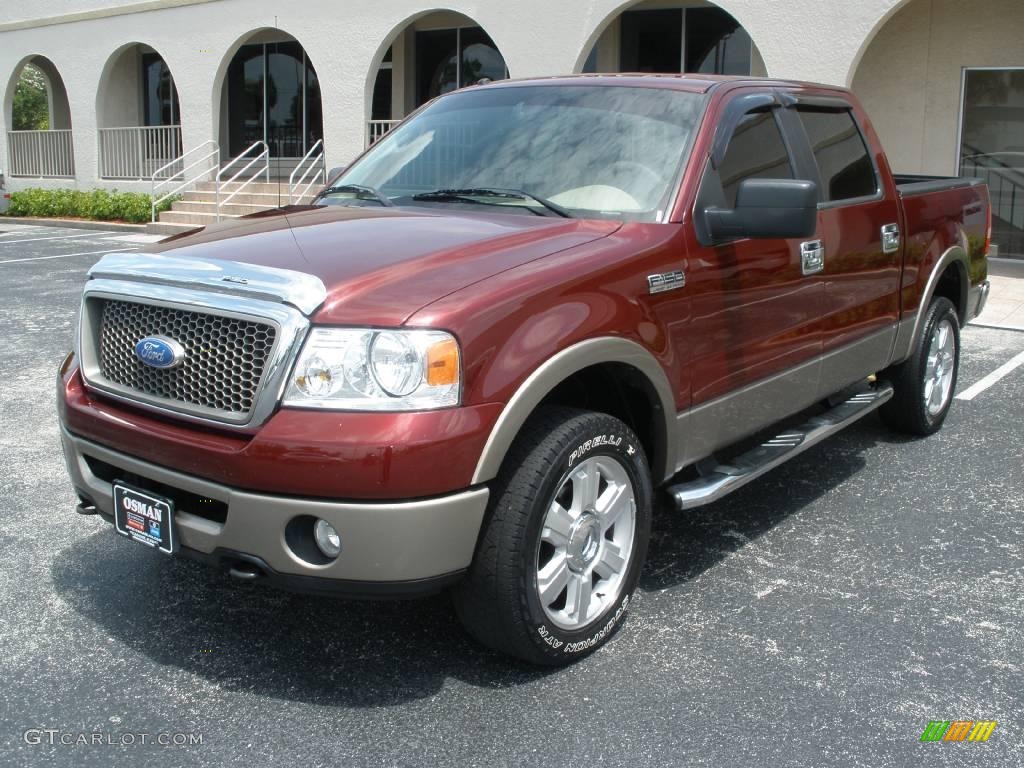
{"x":96,"y":204}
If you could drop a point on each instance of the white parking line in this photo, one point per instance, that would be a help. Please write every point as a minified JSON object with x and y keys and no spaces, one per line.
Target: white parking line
{"x":139,"y":238}
{"x":96,"y":234}
{"x":68,"y":255}
{"x":976,"y":389}
{"x":22,"y":229}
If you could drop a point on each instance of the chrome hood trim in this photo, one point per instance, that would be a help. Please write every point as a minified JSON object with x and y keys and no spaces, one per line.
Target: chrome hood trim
{"x":303,"y":291}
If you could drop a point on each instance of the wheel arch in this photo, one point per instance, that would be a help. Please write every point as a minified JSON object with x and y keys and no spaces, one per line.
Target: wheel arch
{"x":953,"y":283}
{"x":627,"y":362}
{"x":949,"y":277}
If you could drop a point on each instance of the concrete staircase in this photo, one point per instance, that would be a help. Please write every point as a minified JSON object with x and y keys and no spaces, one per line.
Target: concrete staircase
{"x":198,"y":207}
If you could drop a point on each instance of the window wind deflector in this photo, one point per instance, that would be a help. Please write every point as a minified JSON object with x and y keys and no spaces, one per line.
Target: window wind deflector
{"x":835,"y":103}
{"x":734,"y":113}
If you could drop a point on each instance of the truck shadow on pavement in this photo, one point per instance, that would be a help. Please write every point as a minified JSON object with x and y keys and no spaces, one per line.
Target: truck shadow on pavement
{"x":686,"y":544}
{"x":333,"y":652}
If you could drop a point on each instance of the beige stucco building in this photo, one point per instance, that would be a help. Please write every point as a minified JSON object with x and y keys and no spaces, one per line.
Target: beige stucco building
{"x":134,"y":85}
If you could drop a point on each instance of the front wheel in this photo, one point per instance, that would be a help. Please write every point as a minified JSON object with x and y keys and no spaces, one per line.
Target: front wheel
{"x":565,"y":539}
{"x":924,"y":383}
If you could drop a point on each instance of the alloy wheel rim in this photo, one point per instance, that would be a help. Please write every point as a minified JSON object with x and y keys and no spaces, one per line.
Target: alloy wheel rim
{"x":586,"y":543}
{"x":939,"y":367}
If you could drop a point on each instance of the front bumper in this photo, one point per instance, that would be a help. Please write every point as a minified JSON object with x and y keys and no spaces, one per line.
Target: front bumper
{"x":400,"y":547}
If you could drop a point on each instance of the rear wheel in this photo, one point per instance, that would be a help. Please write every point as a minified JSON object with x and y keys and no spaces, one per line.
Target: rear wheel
{"x":924,"y":383}
{"x":565,"y":540}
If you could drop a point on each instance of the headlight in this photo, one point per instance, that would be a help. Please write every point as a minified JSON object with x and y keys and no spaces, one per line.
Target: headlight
{"x":366,"y":370}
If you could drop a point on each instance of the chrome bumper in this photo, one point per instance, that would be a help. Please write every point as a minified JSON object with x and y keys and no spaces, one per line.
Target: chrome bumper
{"x":382,"y":542}
{"x":977,"y":298}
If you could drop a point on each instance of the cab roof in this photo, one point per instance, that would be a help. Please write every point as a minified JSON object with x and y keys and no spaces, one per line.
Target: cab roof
{"x":693,"y":83}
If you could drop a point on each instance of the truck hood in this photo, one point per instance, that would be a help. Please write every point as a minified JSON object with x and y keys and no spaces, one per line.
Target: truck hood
{"x":380,"y":266}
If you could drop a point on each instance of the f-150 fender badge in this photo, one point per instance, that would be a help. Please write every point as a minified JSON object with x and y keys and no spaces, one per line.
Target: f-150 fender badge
{"x":666,"y":281}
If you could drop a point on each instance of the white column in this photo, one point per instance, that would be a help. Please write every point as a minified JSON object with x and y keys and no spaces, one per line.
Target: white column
{"x":342,"y":91}
{"x":7,"y":64}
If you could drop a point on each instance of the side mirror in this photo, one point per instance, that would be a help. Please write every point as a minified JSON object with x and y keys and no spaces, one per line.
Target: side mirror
{"x":767,"y":208}
{"x":335,"y":172}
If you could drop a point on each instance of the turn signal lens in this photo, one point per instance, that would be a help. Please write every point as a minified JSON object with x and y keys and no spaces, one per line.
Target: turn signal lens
{"x":443,"y":363}
{"x":988,"y":232}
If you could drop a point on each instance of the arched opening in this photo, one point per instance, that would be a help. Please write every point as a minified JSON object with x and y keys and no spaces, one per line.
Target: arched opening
{"x":944,"y":86}
{"x":36,"y":107}
{"x":432,"y":54}
{"x":270,"y":93}
{"x":137,"y":115}
{"x":653,"y":36}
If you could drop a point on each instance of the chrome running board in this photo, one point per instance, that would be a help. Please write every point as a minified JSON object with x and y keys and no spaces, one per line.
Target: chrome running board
{"x":723,"y":479}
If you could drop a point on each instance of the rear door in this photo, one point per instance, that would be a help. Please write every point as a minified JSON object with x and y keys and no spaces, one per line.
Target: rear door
{"x":858,"y":232}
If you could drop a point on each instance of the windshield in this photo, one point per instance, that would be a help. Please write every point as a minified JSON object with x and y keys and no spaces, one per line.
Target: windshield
{"x":580,"y":150}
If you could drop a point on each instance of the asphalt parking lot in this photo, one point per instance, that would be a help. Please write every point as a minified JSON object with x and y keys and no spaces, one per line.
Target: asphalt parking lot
{"x":820,"y":616}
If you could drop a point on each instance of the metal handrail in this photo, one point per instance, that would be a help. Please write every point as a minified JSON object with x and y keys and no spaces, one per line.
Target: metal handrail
{"x":378,"y":129}
{"x":42,"y":154}
{"x":1007,"y":204}
{"x":264,"y":156}
{"x":154,"y":186}
{"x":125,"y":151}
{"x":318,"y":160}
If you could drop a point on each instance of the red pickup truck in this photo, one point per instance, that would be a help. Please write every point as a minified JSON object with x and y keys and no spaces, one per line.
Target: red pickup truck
{"x":475,"y":359}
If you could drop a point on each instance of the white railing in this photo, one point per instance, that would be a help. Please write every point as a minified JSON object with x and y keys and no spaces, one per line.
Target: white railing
{"x":41,"y":154}
{"x":136,"y":152}
{"x":314,"y":160}
{"x":180,"y":178}
{"x":378,"y":129}
{"x":263,"y":170}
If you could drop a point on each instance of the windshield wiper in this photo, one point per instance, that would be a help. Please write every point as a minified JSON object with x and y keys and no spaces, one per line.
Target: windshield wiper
{"x":359,"y":189}
{"x":468,"y":195}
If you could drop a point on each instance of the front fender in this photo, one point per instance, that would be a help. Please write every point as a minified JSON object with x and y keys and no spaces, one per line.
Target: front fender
{"x":557,"y":369}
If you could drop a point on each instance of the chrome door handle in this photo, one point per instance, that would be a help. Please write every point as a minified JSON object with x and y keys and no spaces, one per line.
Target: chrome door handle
{"x":812,"y":256}
{"x":890,"y":238}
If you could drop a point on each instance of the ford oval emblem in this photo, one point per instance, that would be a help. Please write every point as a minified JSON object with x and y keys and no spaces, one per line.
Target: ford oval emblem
{"x":159,"y":352}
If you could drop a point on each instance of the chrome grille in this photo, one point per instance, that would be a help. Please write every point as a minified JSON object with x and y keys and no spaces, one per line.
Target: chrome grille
{"x":224,"y":359}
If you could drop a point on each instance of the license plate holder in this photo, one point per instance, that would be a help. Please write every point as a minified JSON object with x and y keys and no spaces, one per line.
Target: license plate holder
{"x":145,"y":517}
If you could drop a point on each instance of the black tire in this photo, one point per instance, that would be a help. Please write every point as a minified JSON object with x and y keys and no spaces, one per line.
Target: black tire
{"x":907,"y":411}
{"x":498,"y":601}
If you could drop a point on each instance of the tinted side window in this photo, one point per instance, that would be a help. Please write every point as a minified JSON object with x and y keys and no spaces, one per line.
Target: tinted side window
{"x":755,"y":151}
{"x":842,"y":156}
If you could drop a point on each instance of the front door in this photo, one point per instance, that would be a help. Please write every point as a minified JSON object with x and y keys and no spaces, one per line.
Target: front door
{"x":754,"y":338}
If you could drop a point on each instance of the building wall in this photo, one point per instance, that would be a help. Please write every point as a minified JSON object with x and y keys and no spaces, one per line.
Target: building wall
{"x":909,"y":77}
{"x":820,"y":40}
{"x":119,"y":101}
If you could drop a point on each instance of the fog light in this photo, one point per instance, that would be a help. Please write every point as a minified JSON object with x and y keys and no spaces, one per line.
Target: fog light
{"x":327,"y":539}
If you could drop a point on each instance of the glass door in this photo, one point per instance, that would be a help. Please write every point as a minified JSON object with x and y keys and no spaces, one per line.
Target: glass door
{"x":273,"y":96}
{"x":448,"y":59}
{"x":992,"y":148}
{"x":245,"y":99}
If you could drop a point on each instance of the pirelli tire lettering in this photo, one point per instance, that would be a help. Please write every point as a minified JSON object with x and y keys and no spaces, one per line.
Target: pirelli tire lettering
{"x":597,"y":442}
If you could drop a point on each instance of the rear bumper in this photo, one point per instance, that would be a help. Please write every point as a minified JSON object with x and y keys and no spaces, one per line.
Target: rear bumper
{"x":976,"y":299}
{"x":401,"y":547}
